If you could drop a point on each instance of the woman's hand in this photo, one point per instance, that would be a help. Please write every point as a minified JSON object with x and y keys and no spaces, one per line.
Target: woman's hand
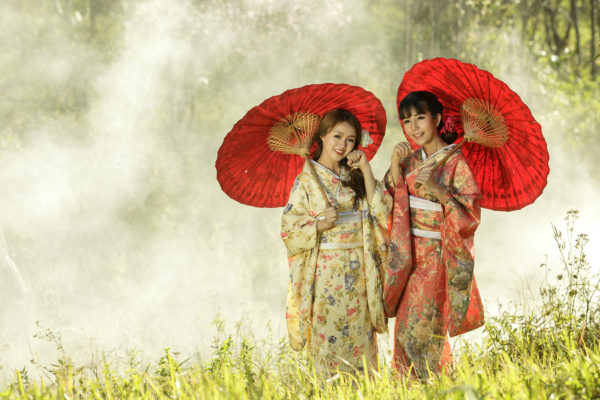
{"x":357,"y":158}
{"x":401,"y":150}
{"x":426,"y":180}
{"x":331,"y":216}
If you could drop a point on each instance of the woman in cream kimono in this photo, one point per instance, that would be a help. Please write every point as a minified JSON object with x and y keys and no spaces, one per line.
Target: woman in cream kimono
{"x":335,"y":251}
{"x":429,"y":284}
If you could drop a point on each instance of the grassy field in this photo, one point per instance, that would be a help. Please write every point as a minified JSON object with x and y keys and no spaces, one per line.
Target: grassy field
{"x":550,"y":352}
{"x":574,"y":372}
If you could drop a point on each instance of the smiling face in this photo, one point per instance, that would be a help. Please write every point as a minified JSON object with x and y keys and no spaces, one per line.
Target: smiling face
{"x":422,"y":127}
{"x":337,"y":144}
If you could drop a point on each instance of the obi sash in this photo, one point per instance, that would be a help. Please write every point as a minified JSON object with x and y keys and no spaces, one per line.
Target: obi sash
{"x":345,"y":234}
{"x":426,"y":217}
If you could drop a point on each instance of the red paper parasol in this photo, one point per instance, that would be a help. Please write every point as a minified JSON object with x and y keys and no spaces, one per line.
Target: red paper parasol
{"x":511,"y":175}
{"x":253,"y":174}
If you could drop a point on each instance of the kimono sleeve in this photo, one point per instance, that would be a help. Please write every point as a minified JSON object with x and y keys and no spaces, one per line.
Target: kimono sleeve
{"x":381,"y":204}
{"x":388,"y":181}
{"x":399,"y":262}
{"x":375,"y":245}
{"x":299,"y":223}
{"x":462,"y":214}
{"x":299,"y":233}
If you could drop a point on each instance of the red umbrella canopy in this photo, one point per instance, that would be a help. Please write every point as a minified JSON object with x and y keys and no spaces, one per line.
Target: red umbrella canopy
{"x":510,"y":176}
{"x":253,"y":174}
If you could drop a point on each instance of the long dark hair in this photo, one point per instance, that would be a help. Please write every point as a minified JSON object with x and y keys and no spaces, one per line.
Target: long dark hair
{"x":422,"y":101}
{"x":329,"y":120}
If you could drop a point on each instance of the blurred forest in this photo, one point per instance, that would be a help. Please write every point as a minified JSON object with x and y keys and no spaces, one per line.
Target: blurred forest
{"x":112,"y":112}
{"x":563,"y":36}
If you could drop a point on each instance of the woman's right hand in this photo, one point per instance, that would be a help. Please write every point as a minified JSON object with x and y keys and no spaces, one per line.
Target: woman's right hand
{"x":330,"y":215}
{"x":401,"y":150}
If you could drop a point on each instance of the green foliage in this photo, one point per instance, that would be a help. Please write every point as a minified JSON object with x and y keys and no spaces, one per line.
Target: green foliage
{"x":223,"y":359}
{"x":566,"y":315}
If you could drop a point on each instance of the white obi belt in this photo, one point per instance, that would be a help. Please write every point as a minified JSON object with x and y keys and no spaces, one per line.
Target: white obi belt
{"x":347,"y":221}
{"x":423,"y":204}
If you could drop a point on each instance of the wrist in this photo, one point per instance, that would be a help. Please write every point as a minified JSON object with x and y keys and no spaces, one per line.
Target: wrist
{"x":320,"y":225}
{"x":440,"y":193}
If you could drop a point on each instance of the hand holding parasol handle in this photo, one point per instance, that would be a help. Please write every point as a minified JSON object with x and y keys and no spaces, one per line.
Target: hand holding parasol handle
{"x":443,"y":160}
{"x":314,"y":174}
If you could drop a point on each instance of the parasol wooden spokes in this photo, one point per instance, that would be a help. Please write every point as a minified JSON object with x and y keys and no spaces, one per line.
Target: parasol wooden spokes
{"x":294,"y":134}
{"x":482,"y":124}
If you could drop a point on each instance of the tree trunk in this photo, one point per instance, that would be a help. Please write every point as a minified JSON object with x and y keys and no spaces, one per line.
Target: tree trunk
{"x":555,"y":42}
{"x":575,"y":20}
{"x":593,"y":40}
{"x":99,"y":9}
{"x":432,"y":38}
{"x":529,"y":11}
{"x":407,"y":44}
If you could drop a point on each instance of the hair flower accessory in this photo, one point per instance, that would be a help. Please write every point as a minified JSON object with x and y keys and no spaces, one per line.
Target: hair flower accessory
{"x":365,"y":138}
{"x":449,"y":125}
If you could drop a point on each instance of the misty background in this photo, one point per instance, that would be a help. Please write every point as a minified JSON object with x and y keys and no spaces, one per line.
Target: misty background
{"x":115,"y":233}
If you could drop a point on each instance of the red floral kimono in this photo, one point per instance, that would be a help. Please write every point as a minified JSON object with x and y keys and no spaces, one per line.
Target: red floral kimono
{"x":429,"y":285}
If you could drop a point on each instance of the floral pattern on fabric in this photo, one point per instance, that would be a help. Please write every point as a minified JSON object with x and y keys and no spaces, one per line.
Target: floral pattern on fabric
{"x":335,"y":297}
{"x":429,"y":283}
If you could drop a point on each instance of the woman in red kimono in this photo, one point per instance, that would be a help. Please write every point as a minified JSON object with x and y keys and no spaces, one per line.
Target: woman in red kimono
{"x":429,"y":285}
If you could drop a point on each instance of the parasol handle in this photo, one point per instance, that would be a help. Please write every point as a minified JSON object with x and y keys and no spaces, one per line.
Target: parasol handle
{"x":314,"y":173}
{"x":443,"y":160}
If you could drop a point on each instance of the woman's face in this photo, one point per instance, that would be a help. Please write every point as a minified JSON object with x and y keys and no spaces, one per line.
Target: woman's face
{"x":421,"y":127}
{"x":338,"y":142}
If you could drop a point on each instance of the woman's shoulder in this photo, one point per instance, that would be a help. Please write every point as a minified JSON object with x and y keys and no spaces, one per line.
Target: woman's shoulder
{"x":461,"y":170}
{"x":304,"y":176}
{"x":459,"y":158}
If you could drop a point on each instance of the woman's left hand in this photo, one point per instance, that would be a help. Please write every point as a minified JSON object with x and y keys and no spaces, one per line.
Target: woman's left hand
{"x":357,"y":158}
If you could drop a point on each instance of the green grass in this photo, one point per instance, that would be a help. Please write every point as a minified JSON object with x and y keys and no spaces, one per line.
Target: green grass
{"x":552,"y":351}
{"x":572,"y":373}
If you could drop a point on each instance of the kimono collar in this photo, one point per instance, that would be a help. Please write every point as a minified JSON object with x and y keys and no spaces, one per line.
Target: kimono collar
{"x":424,"y":156}
{"x":340,"y":178}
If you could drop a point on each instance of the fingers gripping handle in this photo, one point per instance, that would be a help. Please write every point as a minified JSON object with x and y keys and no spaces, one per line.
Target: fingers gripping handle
{"x":314,"y":173}
{"x":443,"y":160}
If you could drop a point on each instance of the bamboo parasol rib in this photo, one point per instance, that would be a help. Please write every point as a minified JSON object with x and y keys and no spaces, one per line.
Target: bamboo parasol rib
{"x":294,"y":134}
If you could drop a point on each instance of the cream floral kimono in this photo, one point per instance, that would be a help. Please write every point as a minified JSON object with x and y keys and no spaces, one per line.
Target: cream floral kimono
{"x":334,"y":302}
